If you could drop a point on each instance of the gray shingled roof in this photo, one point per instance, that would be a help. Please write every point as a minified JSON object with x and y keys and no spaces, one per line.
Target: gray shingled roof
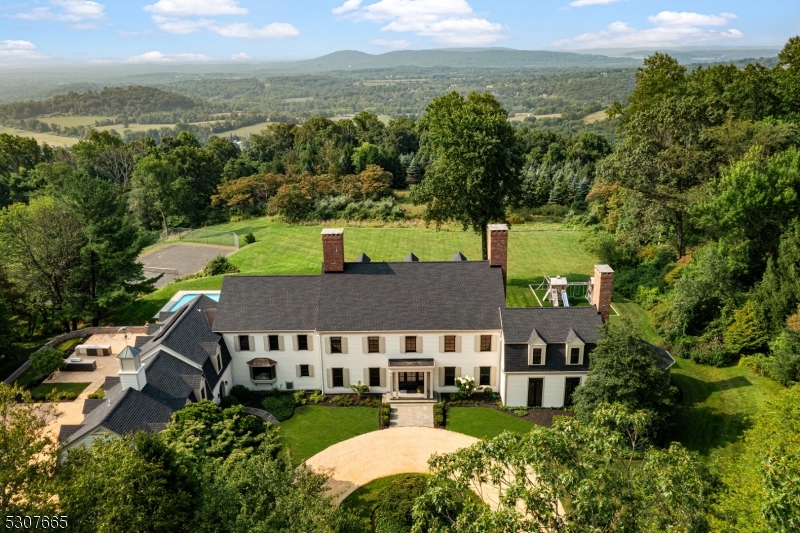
{"x":553,"y":324}
{"x":268,"y":303}
{"x":516,"y":359}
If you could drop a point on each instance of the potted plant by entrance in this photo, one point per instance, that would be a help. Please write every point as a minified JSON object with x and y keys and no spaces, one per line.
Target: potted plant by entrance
{"x":420,"y":389}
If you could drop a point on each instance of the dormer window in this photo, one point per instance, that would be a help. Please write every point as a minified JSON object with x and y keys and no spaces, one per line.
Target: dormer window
{"x":536,"y":356}
{"x":574,"y":349}
{"x":574,"y":356}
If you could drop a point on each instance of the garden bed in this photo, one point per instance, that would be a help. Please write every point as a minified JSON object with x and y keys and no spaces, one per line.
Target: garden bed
{"x":65,"y":391}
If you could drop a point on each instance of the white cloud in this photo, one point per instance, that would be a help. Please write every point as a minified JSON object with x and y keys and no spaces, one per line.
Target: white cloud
{"x":444,"y":21}
{"x":241,"y":30}
{"x":18,"y":50}
{"x":180,"y":26}
{"x":670,"y":29}
{"x":397,"y":44}
{"x":158,"y":57}
{"x":241,"y":56}
{"x":81,"y":14}
{"x":196,"y":8}
{"x":582,"y":3}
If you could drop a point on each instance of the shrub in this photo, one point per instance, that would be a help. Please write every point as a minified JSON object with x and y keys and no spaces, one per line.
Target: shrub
{"x":249,"y":238}
{"x":712,"y":353}
{"x":384,"y":413}
{"x":520,"y":412}
{"x":786,"y":357}
{"x":343,"y":400}
{"x":438,"y":414}
{"x":46,"y":361}
{"x":99,"y":394}
{"x":488,"y":394}
{"x":241,"y":393}
{"x":358,"y":388}
{"x":395,"y":503}
{"x":228,"y":401}
{"x":281,"y":406}
{"x":220,"y":265}
{"x":300,"y":397}
{"x":316,"y":397}
{"x":759,"y":364}
{"x":466,"y":386}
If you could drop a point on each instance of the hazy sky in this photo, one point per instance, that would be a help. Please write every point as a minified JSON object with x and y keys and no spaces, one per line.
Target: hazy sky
{"x":160,"y":31}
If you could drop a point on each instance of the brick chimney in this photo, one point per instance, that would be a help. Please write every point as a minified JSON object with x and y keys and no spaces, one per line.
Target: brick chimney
{"x":602,"y":286}
{"x":498,"y":248}
{"x":333,"y":250}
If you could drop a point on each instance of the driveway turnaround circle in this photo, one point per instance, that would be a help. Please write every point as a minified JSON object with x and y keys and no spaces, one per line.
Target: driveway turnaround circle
{"x":357,"y":461}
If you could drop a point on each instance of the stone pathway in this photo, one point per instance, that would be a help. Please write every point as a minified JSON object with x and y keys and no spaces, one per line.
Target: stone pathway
{"x":411,"y":415}
{"x":357,"y":461}
{"x":260,"y":413}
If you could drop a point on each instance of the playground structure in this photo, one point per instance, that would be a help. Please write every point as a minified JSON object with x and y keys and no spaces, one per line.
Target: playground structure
{"x":560,"y":290}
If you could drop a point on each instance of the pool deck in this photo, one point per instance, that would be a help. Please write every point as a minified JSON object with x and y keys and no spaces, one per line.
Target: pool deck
{"x":177,"y":298}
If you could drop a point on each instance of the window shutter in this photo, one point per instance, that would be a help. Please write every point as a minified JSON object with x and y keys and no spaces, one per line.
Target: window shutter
{"x":311,"y":371}
{"x":365,"y":344}
{"x":297,"y":370}
{"x":330,"y":378}
{"x":266,"y":343}
{"x":295,"y":342}
{"x":441,"y":343}
{"x":346,"y":377}
{"x":458,"y":343}
{"x":366,"y":376}
{"x":382,"y":346}
{"x":344,"y":345}
{"x":441,"y":376}
{"x":494,"y":343}
{"x":236,"y":345}
{"x":493,"y":377}
{"x":477,"y":343}
{"x":383,"y":377}
{"x":327,"y":345}
{"x":477,"y":375}
{"x":419,"y":344}
{"x":280,"y":343}
{"x":402,"y":344}
{"x":310,"y":341}
{"x":458,"y":371}
{"x":252,"y":340}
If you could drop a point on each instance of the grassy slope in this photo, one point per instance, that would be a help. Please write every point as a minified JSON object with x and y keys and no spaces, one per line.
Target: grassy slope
{"x":483,"y":422}
{"x":314,"y":427}
{"x":284,"y":249}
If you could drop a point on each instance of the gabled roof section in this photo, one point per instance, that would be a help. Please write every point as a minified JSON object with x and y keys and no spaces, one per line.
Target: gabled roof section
{"x":190,"y":329}
{"x":554,"y":324}
{"x":267,"y":303}
{"x":535,"y":337}
{"x":571,"y":336}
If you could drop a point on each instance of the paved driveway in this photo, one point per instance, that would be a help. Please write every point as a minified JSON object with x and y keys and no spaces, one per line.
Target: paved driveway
{"x":357,"y":461}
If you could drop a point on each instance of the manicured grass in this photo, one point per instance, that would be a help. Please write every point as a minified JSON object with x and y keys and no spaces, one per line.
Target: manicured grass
{"x":365,"y":498}
{"x":68,"y":391}
{"x":716,"y":407}
{"x":68,"y":344}
{"x":314,"y":427}
{"x":484,"y":422}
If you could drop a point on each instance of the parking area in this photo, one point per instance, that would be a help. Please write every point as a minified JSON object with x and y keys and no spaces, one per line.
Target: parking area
{"x":176,"y":260}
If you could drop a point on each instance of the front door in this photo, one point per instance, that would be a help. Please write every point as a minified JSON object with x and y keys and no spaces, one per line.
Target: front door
{"x":571,"y":385}
{"x":535,"y":387}
{"x":409,"y":381}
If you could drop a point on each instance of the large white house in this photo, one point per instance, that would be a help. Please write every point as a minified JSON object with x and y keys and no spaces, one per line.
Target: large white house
{"x":406,"y":329}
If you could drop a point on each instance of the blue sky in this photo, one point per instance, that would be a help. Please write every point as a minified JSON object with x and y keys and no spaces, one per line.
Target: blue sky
{"x":163,"y":31}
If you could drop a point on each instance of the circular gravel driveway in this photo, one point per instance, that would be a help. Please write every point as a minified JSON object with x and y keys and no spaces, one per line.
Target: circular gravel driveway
{"x":357,"y":461}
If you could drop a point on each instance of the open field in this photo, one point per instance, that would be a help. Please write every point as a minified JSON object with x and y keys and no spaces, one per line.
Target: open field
{"x":519,"y":117}
{"x":135,"y":127}
{"x":245,"y":131}
{"x":71,"y":122}
{"x":595,"y":117}
{"x":52,"y":140}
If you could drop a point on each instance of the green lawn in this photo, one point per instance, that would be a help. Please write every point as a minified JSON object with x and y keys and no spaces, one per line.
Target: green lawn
{"x":314,"y":427}
{"x":717,"y":403}
{"x":484,"y":422}
{"x":68,"y":391}
{"x":364,"y":499}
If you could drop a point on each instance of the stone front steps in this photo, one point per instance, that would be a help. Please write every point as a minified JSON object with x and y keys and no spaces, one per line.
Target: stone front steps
{"x":411,"y":415}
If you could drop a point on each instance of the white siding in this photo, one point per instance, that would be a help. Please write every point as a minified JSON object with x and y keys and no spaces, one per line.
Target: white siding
{"x":226,"y":376}
{"x":552,"y":396}
{"x":288,"y":359}
{"x":87,"y":440}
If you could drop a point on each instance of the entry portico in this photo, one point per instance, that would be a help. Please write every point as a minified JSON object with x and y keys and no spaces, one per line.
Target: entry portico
{"x":407,"y":376}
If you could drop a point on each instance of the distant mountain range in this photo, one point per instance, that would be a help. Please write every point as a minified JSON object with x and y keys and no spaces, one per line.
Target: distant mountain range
{"x":710,"y":54}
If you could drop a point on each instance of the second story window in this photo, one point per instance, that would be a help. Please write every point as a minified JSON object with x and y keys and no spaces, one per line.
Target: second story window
{"x":302,"y":342}
{"x":274,"y":344}
{"x":336,"y":345}
{"x":373,"y":344}
{"x":536,"y":358}
{"x":574,"y":356}
{"x":449,"y":343}
{"x":486,"y":343}
{"x":411,"y":344}
{"x":244,"y":343}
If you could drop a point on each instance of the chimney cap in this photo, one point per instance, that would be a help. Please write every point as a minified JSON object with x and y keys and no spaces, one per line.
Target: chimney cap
{"x":498,"y":227}
{"x":604,"y":269}
{"x":332,"y":231}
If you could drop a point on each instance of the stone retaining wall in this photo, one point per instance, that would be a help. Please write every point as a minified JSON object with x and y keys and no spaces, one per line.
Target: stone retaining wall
{"x":85,"y":332}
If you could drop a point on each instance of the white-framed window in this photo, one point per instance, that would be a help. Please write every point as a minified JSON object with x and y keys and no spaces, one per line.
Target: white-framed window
{"x":537,"y":355}
{"x":575,"y":353}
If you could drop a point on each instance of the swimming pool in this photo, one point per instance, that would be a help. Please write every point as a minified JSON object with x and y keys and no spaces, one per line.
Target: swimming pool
{"x":186,"y":298}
